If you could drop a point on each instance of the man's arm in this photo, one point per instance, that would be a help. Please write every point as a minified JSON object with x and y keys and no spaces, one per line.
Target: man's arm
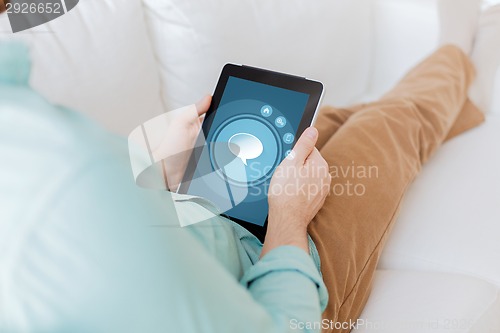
{"x":85,"y":250}
{"x":298,"y":190}
{"x":106,"y":257}
{"x":89,"y":251}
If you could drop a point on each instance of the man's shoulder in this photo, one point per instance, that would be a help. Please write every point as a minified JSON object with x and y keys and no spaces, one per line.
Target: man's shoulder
{"x":38,"y":130}
{"x":44,"y":148}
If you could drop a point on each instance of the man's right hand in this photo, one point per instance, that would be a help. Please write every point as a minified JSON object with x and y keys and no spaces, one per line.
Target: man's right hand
{"x":297,"y":191}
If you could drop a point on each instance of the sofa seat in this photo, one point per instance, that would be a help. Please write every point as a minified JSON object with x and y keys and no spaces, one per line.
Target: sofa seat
{"x":436,"y":302}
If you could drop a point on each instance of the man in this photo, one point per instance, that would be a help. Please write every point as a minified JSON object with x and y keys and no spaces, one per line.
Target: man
{"x":85,"y":250}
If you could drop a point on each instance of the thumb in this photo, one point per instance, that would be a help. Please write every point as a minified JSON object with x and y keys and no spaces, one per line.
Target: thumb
{"x":203,"y":105}
{"x":305,"y":144}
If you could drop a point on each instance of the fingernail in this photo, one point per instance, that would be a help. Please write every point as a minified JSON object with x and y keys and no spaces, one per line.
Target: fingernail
{"x":311,"y":132}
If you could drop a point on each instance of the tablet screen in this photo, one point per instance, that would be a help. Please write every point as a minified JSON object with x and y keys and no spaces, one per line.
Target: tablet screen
{"x":251,"y":132}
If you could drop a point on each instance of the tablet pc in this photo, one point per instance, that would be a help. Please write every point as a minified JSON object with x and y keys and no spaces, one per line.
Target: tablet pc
{"x":254,"y":120}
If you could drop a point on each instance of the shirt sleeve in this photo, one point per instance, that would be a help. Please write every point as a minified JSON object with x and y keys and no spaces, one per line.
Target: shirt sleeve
{"x":282,"y":280}
{"x":107,"y":258}
{"x":85,"y":250}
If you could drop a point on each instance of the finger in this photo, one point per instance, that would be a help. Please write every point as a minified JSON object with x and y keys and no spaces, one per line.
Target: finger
{"x":319,"y":169}
{"x":315,"y":157}
{"x":305,"y":144}
{"x":203,"y":105}
{"x":200,"y":119}
{"x":316,"y":161}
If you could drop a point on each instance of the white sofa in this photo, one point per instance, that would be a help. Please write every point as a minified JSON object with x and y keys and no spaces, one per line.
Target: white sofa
{"x":125,"y":61}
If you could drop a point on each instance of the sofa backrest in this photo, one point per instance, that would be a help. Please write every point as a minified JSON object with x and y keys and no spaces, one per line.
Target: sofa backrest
{"x":403,"y":33}
{"x":97,"y":59}
{"x":328,"y":40}
{"x":123,"y":64}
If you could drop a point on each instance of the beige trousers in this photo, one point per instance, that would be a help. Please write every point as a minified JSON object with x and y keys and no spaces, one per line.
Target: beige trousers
{"x":374,"y":152}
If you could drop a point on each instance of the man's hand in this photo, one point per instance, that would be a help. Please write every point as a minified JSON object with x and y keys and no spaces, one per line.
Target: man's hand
{"x":297,"y":191}
{"x":179,"y":140}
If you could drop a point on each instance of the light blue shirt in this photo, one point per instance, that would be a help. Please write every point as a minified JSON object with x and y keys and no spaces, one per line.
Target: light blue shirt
{"x":83,"y":249}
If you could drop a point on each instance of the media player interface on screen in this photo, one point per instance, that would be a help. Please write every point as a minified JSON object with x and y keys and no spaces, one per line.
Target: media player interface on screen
{"x":252,"y":131}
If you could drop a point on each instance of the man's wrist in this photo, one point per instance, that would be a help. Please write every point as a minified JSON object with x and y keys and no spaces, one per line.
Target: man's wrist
{"x":283,"y":233}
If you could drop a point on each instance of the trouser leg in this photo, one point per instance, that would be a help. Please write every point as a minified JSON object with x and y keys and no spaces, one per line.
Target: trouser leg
{"x":374,"y":153}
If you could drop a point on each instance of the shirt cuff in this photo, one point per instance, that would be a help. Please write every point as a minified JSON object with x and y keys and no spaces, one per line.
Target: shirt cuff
{"x":287,"y":258}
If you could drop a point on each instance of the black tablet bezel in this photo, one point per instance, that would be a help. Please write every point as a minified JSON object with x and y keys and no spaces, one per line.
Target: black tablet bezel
{"x":295,"y":83}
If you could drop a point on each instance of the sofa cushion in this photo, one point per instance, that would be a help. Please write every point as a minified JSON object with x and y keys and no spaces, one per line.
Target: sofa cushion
{"x":328,"y":41}
{"x":420,"y":302}
{"x":449,"y":220}
{"x":495,"y":103}
{"x":459,"y":22}
{"x":406,"y":31}
{"x":486,"y":56}
{"x":98,"y":59}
